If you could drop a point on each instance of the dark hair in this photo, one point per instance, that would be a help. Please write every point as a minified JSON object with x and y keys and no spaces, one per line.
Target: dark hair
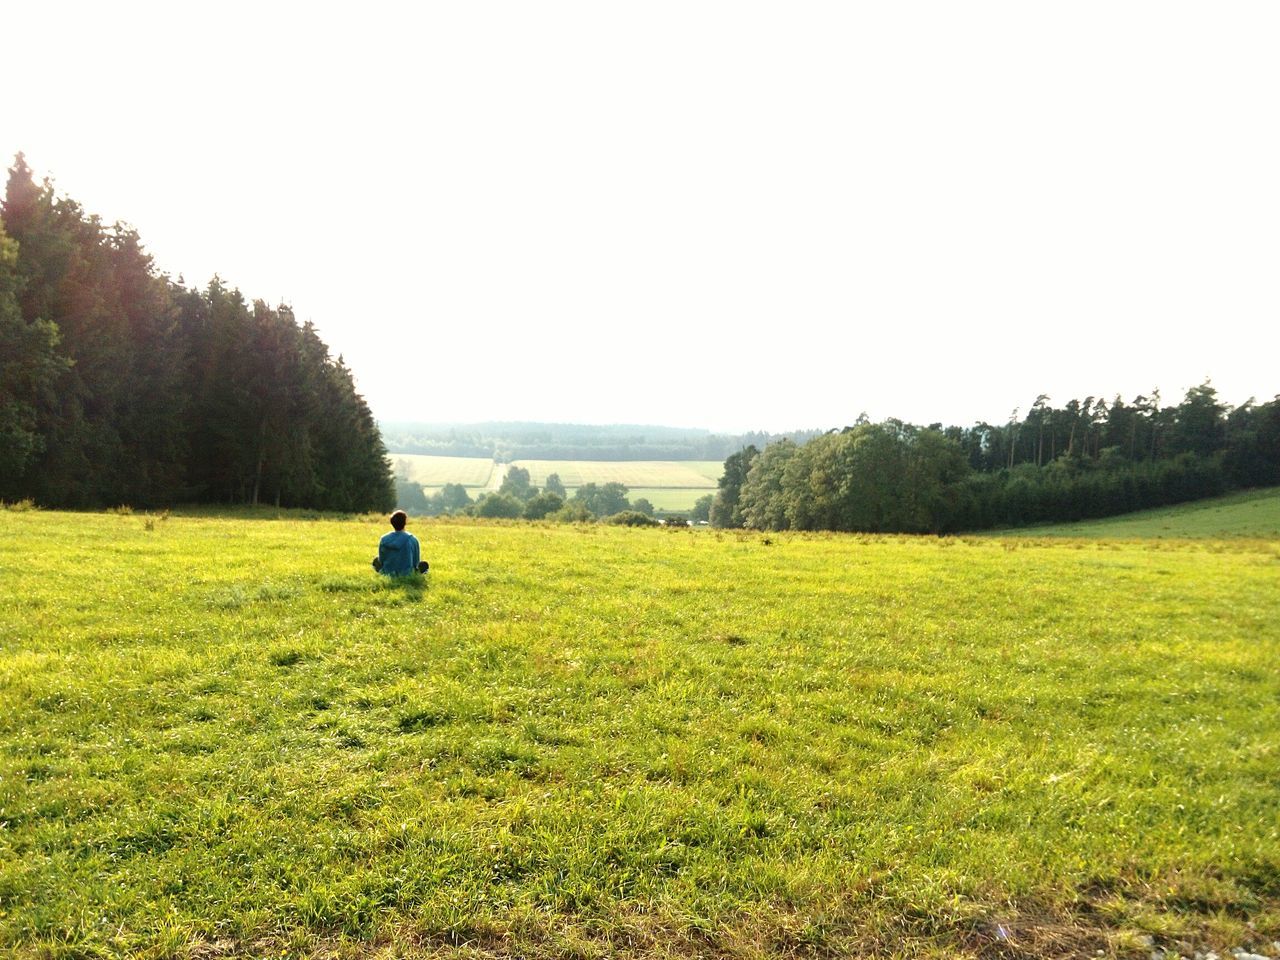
{"x":398,"y":519}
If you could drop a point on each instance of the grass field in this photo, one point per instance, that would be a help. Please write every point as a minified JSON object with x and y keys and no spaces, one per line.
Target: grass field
{"x":1253,"y":513}
{"x":435,"y":472}
{"x":225,"y":737}
{"x":669,"y":498}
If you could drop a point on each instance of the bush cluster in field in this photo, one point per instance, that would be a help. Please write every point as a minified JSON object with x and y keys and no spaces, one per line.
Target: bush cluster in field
{"x":593,"y":740}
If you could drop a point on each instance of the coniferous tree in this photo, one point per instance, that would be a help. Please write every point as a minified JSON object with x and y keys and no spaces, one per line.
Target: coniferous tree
{"x":120,"y":386}
{"x":29,"y":368}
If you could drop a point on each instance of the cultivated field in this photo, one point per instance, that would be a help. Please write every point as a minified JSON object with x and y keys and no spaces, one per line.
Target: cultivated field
{"x":669,"y":498}
{"x":225,"y":737}
{"x":668,"y":484}
{"x":434,"y":472}
{"x":691,"y":474}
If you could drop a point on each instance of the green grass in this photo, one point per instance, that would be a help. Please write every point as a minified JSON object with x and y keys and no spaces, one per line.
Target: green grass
{"x":1253,"y":513}
{"x":229,"y":737}
{"x":669,"y":498}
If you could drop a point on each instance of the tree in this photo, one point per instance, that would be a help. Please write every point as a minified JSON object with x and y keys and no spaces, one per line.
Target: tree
{"x":498,"y":506}
{"x":642,"y":505}
{"x":724,"y":509}
{"x":1199,"y":422}
{"x":701,"y":512}
{"x":763,"y":501}
{"x":410,"y":498}
{"x":553,"y":485}
{"x":516,"y":483}
{"x":120,"y":386}
{"x":453,"y":498}
{"x":29,"y":368}
{"x":602,"y":501}
{"x":632,"y":518}
{"x":885,"y":477}
{"x":543,"y":505}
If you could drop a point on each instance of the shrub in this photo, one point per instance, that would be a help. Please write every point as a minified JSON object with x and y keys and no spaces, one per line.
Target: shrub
{"x":572,"y":513}
{"x":631,"y":518}
{"x":542,"y":506}
{"x":499,"y":505}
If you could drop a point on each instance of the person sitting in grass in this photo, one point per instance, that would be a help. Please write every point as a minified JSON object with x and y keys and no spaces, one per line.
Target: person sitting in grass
{"x":398,"y":551}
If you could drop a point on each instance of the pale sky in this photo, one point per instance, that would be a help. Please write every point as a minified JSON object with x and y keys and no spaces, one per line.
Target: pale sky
{"x":728,"y":215}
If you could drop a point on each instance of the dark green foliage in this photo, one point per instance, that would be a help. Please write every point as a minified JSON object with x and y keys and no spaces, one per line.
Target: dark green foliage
{"x":725,"y":510}
{"x":642,"y":505}
{"x":120,"y":386}
{"x":602,"y":500}
{"x":571,"y":512}
{"x":543,"y":505}
{"x":873,"y":477}
{"x":762,"y":499}
{"x":498,"y":505}
{"x":516,"y":483}
{"x":631,"y":518}
{"x":554,"y":485}
{"x":702,"y":509}
{"x":411,"y":499}
{"x":29,"y":369}
{"x":450,"y":499}
{"x":1088,"y":459}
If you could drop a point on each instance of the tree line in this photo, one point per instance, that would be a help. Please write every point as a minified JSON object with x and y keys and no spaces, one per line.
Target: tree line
{"x":119,"y":385}
{"x":1086,"y":459}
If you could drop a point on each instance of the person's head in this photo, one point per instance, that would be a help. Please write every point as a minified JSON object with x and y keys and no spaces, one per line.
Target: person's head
{"x":399,"y":519}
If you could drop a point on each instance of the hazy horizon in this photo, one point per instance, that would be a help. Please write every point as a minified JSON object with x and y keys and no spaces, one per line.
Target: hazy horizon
{"x":734,"y":217}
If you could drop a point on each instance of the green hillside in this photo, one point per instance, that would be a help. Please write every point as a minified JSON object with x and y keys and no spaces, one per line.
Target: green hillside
{"x":230,"y":738}
{"x":1253,"y":513}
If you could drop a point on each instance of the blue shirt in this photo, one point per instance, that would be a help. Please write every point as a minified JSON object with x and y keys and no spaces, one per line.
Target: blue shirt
{"x":398,"y":552}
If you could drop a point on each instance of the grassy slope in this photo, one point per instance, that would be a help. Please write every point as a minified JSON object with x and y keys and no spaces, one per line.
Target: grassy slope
{"x":221,"y":735}
{"x":1253,"y":513}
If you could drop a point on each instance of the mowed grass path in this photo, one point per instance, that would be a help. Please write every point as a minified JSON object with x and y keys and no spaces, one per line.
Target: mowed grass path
{"x":229,"y":737}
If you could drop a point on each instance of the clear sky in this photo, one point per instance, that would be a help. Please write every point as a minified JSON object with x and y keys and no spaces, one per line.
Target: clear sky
{"x":732,"y":215}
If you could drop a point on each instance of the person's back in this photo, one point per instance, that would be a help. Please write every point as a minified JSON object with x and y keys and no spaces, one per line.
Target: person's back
{"x":398,"y":550}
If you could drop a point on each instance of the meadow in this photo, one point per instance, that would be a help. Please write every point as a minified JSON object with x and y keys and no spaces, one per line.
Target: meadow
{"x":229,"y":737}
{"x":1250,"y":513}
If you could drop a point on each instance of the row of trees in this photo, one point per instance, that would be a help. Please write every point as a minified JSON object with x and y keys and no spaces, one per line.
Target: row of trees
{"x":1135,"y":432}
{"x":1087,"y":459}
{"x":119,"y":385}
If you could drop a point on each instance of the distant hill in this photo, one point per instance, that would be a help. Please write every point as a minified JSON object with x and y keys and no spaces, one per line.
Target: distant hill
{"x":518,"y":440}
{"x":1251,"y":513}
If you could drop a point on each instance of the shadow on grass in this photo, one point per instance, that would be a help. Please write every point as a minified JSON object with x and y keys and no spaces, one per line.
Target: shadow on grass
{"x":411,"y":586}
